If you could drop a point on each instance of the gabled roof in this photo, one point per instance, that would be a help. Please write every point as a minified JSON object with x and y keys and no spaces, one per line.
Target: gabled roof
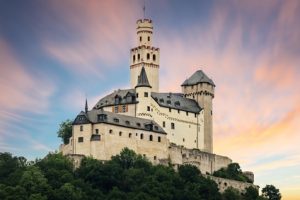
{"x":109,"y":100}
{"x":143,"y":79}
{"x":92,"y":116}
{"x":176,"y":101}
{"x":198,"y":77}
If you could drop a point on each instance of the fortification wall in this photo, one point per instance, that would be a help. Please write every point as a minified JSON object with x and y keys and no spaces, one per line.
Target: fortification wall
{"x":207,"y":163}
{"x":223,"y":184}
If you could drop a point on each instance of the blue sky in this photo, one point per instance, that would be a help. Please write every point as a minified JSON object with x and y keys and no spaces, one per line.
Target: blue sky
{"x":53,"y":54}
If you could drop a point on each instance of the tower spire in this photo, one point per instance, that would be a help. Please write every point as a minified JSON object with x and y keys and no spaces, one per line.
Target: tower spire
{"x":144,"y":8}
{"x":86,"y":106}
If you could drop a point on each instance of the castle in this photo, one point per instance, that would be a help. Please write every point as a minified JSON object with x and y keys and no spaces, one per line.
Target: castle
{"x":176,"y":127}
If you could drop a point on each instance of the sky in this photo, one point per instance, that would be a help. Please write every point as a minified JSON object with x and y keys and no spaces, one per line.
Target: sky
{"x":54,"y":54}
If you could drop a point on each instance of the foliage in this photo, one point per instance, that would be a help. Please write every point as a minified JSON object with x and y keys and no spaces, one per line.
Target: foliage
{"x":125,"y":176}
{"x":231,"y":194}
{"x":233,"y":171}
{"x":65,"y":131}
{"x":251,"y":193}
{"x":271,"y":192}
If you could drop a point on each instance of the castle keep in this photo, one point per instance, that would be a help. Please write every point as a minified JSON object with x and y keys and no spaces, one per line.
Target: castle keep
{"x":176,"y":127}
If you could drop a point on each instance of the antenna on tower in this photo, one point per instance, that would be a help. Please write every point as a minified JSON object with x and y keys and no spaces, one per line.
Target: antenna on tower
{"x":144,"y":8}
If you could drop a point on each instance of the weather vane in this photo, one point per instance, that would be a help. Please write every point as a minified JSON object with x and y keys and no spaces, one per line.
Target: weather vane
{"x":144,"y":8}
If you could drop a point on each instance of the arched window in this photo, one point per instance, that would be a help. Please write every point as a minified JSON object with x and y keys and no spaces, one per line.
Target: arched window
{"x":148,"y":38}
{"x":129,"y":135}
{"x":139,"y":56}
{"x":151,"y":138}
{"x":133,"y":58}
{"x":142,"y":136}
{"x":154,"y":57}
{"x":158,"y":139}
{"x":140,"y":38}
{"x":148,"y":56}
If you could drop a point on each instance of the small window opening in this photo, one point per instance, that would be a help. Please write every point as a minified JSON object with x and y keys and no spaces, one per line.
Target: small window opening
{"x":154,"y":57}
{"x":172,"y":126}
{"x":133,"y":58}
{"x":148,"y":56}
{"x":159,"y":139}
{"x":148,"y":108}
{"x":140,"y":38}
{"x":110,"y":131}
{"x":81,"y":128}
{"x":97,"y":131}
{"x":80,"y":139}
{"x":120,"y":133}
{"x":142,"y":136}
{"x":164,"y":124}
{"x":139,"y":57}
{"x":146,"y":94}
{"x":129,"y":135}
{"x":154,"y":157}
{"x":148,"y":38}
{"x":151,"y":138}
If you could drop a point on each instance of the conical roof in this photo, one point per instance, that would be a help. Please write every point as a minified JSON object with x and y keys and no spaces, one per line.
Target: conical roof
{"x":143,"y":79}
{"x":198,"y":77}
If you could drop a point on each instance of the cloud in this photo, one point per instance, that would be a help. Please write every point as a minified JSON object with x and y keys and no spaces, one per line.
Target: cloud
{"x":104,"y":30}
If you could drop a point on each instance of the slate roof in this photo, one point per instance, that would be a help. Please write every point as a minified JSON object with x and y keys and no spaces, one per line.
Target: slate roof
{"x":198,"y":77}
{"x":110,"y":99}
{"x":176,"y":101}
{"x":100,"y":116}
{"x":143,"y":79}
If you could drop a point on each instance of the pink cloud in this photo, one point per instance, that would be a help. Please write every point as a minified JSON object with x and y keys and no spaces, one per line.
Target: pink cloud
{"x":106,"y":31}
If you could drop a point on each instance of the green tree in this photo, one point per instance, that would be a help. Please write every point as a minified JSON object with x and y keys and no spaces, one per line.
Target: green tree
{"x":189,"y":173}
{"x":231,"y":194}
{"x":232,"y":171}
{"x":251,"y":193}
{"x":271,"y":192}
{"x":65,"y":131}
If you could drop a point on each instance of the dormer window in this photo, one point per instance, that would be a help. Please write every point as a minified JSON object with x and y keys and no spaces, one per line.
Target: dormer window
{"x":161,"y":100}
{"x":169,"y":102}
{"x":177,"y":103}
{"x":138,"y":124}
{"x":116,"y":120}
{"x":102,"y":117}
{"x":127,"y":123}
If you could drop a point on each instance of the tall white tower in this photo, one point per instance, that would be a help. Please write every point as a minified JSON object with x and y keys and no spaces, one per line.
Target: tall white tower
{"x":145,"y":55}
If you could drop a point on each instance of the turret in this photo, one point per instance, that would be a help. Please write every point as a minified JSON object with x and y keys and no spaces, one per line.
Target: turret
{"x":143,"y":92}
{"x":145,"y":55}
{"x":201,"y":88}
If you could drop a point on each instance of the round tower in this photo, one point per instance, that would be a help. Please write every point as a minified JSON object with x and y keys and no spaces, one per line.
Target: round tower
{"x":201,"y":88}
{"x":145,"y":55}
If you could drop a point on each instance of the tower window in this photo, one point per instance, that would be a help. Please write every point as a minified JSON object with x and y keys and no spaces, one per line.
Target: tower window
{"x":129,"y":135}
{"x":187,"y":113}
{"x":148,"y":108}
{"x":140,"y":38}
{"x":139,"y":56}
{"x":172,"y":126}
{"x":183,"y":140}
{"x":142,"y":136}
{"x":110,"y":131}
{"x":158,"y":139}
{"x":164,"y":124}
{"x":148,"y":38}
{"x":151,"y":138}
{"x":120,"y":133}
{"x":148,"y":56}
{"x":133,"y":58}
{"x":80,"y":139}
{"x":146,"y":94}
{"x":97,"y":131}
{"x":154,"y":57}
{"x":81,"y":128}
{"x":124,"y":108}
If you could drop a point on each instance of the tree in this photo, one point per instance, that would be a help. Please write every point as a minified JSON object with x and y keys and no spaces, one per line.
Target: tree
{"x":271,"y":192}
{"x":232,"y":171}
{"x":231,"y":194}
{"x":65,"y":131}
{"x":189,"y":173}
{"x":251,"y":193}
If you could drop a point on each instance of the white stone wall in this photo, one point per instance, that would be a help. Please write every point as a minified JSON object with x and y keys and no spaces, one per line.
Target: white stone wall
{"x":185,"y":132}
{"x":114,"y":139}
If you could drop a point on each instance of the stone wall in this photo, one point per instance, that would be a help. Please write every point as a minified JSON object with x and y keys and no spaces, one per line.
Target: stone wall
{"x":223,"y":184}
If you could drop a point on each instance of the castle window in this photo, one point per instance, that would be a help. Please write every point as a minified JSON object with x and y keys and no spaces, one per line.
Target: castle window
{"x":177,"y":103}
{"x":148,"y":38}
{"x":161,"y":100}
{"x":192,"y":86}
{"x":80,"y":139}
{"x":129,"y":135}
{"x":169,"y":102}
{"x":142,"y":136}
{"x":116,"y":120}
{"x":127,"y":122}
{"x":81,"y":128}
{"x":148,"y":56}
{"x":95,"y":137}
{"x":120,"y":133}
{"x":159,"y":139}
{"x":124,"y":108}
{"x":195,"y":115}
{"x":187,"y":113}
{"x":137,"y":95}
{"x":164,"y":124}
{"x":151,"y":138}
{"x":133,"y":58}
{"x":139,"y":56}
{"x":138,"y":124}
{"x":116,"y":109}
{"x":172,"y":126}
{"x":154,"y":157}
{"x":102,"y":117}
{"x":170,"y":110}
{"x":97,"y":131}
{"x":156,"y":128}
{"x":110,"y":131}
{"x":211,"y":112}
{"x":183,"y":140}
{"x":178,"y":111}
{"x":154,"y":57}
{"x":148,"y":108}
{"x":140,"y":38}
{"x":146,"y":94}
